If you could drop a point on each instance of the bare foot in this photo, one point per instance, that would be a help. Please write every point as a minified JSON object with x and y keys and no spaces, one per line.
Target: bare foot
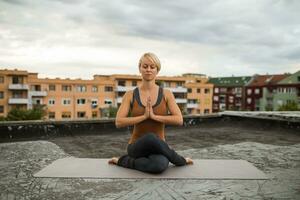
{"x":113,"y":161}
{"x":189,"y":161}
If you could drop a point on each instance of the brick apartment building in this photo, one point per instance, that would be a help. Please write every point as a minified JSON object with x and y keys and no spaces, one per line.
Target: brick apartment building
{"x":229,"y":92}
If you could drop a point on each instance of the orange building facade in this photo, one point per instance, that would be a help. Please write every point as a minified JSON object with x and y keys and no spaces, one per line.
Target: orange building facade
{"x":91,"y":99}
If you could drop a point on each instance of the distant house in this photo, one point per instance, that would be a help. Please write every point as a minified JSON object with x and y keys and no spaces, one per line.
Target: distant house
{"x":288,"y":90}
{"x":260,"y":92}
{"x":229,"y":92}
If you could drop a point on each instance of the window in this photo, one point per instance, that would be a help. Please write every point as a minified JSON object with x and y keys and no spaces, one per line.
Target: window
{"x":107,"y":101}
{"x":81,"y":88}
{"x":249,"y":100}
{"x":223,"y":90}
{"x":230,"y":99}
{"x":216,"y":106}
{"x":51,"y":101}
{"x":134,"y":83}
{"x":198,"y":81}
{"x":1,"y":95}
{"x":192,"y":101}
{"x":94,"y":88}
{"x":66,"y":101}
{"x":35,"y":87}
{"x":1,"y":79}
{"x":198,"y":90}
{"x":121,"y":83}
{"x":80,"y":101}
{"x":108,"y":89}
{"x":249,"y":91}
{"x":37,"y":101}
{"x":222,"y":99}
{"x":51,"y":87}
{"x":66,"y":115}
{"x":238,"y":90}
{"x":206,"y":111}
{"x":80,"y":114}
{"x":189,"y":90}
{"x":66,"y":88}
{"x":206,"y":91}
{"x":94,"y":114}
{"x":216,"y":90}
{"x":179,"y":84}
{"x":1,"y":109}
{"x":216,"y":98}
{"x":94,"y":103}
{"x":51,"y":115}
{"x":298,"y":78}
{"x":17,"y":94}
{"x":17,"y":80}
{"x":257,"y":91}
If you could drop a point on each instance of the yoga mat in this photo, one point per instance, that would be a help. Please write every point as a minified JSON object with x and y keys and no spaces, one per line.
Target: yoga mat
{"x":72,"y":167}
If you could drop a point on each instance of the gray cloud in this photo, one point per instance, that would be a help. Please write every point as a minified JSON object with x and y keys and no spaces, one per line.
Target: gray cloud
{"x":257,"y":33}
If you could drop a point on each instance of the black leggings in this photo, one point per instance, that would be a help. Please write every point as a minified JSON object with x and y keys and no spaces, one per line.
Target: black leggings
{"x":150,"y":154}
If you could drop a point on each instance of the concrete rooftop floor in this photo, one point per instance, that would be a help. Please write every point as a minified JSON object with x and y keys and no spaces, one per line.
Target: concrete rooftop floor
{"x":275,"y":151}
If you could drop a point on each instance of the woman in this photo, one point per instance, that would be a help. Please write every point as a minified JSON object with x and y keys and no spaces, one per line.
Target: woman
{"x":149,"y":105}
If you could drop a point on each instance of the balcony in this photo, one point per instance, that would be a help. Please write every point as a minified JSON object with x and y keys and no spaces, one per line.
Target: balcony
{"x":177,"y":89}
{"x":124,"y":88}
{"x":192,"y":105}
{"x":181,"y":100}
{"x":38,"y":93}
{"x":18,"y":101}
{"x":18,"y":87}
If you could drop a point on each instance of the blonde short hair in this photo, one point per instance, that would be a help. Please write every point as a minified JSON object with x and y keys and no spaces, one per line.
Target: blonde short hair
{"x":153,"y":58}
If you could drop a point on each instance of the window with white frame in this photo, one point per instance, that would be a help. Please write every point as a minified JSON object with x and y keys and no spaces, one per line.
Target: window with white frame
{"x":108,"y":101}
{"x":94,"y":88}
{"x":81,"y":88}
{"x":51,"y":101}
{"x":223,"y":90}
{"x":249,"y":100}
{"x":80,"y":101}
{"x":66,"y":101}
{"x":216,"y":90}
{"x":238,"y":90}
{"x":249,"y":91}
{"x":216,"y":98}
{"x":257,"y":91}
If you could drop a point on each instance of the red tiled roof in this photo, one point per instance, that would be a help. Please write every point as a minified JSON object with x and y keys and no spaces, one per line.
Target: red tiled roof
{"x":261,"y":80}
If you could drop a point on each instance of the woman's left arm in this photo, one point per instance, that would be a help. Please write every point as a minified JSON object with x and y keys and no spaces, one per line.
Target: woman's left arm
{"x":175,"y":118}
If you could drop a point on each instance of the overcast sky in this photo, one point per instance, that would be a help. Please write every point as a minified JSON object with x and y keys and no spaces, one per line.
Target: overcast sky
{"x":78,"y":38}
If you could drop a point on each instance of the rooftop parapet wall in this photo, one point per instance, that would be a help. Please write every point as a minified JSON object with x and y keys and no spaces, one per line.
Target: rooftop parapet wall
{"x":33,"y":130}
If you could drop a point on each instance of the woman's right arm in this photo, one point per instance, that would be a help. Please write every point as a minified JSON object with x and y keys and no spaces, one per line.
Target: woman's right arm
{"x":121,"y":118}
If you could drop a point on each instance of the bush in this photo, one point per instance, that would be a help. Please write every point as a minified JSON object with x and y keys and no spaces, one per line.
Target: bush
{"x":290,"y":106}
{"x":112,"y":112}
{"x":17,"y":114}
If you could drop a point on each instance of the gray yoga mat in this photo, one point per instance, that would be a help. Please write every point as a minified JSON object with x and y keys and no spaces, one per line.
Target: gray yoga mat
{"x":72,"y":167}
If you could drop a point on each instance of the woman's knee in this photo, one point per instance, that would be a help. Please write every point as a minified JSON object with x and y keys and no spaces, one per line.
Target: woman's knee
{"x":159,"y":163}
{"x":157,"y":168}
